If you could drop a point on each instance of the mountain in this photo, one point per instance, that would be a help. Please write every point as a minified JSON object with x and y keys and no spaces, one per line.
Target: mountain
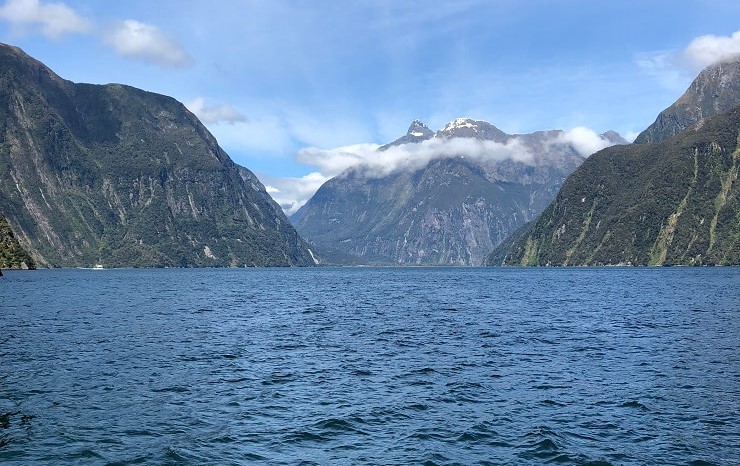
{"x":675,"y":202}
{"x":12,"y":255}
{"x":469,"y":128}
{"x":613,"y":137}
{"x":716,"y":90}
{"x":445,"y":208}
{"x":113,"y":175}
{"x":417,"y":132}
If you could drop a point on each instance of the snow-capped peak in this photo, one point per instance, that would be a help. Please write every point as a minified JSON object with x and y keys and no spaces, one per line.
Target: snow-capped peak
{"x":470,"y":128}
{"x":461,"y":123}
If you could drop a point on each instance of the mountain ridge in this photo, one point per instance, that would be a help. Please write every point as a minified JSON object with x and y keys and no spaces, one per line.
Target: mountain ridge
{"x":715,"y":90}
{"x":675,"y":202}
{"x":116,"y":175}
{"x":669,"y":199}
{"x":450,"y":210}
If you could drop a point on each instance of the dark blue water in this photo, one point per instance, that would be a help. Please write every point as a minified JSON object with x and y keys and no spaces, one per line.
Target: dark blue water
{"x":370,"y":366}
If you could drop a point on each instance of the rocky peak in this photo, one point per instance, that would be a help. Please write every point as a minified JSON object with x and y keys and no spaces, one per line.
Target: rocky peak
{"x":462,"y":123}
{"x":613,"y":137}
{"x":469,"y":128}
{"x":419,"y":130}
{"x":716,"y":90}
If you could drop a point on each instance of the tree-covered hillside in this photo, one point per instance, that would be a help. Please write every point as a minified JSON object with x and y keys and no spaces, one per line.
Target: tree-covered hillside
{"x":675,"y":202}
{"x":114,"y":175}
{"x":12,"y":254}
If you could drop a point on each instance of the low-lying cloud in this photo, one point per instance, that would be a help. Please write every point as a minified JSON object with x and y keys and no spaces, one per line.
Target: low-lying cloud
{"x":292,"y":193}
{"x":584,"y":140}
{"x":409,"y":156}
{"x":706,"y":50}
{"x":214,"y":113}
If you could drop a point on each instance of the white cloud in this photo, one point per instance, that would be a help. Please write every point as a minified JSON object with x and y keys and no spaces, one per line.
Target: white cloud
{"x":584,"y":140}
{"x":141,"y":41}
{"x":630,"y":136}
{"x":54,"y":19}
{"x":409,"y":156}
{"x":706,"y":50}
{"x":215,"y":113}
{"x":129,"y":38}
{"x":332,"y":162}
{"x":292,"y":193}
{"x":672,"y":69}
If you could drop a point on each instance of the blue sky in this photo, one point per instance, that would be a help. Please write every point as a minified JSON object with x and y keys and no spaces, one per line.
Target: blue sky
{"x":272,"y":77}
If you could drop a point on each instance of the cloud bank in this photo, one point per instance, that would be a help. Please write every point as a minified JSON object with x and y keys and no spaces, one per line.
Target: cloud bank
{"x":54,"y":20}
{"x":292,"y":193}
{"x":146,"y":42}
{"x":217,"y":113}
{"x":409,"y":156}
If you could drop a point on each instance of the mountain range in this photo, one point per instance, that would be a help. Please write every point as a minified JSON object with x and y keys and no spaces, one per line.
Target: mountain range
{"x":670,"y":199}
{"x":114,"y":175}
{"x":461,"y":191}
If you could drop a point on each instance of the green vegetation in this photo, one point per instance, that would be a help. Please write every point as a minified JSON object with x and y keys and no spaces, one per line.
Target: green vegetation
{"x":671,"y":203}
{"x":716,"y":90}
{"x":121,"y":177}
{"x":12,"y":254}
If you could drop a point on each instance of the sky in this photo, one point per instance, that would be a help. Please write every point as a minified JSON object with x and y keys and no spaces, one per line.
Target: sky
{"x":285,"y":85}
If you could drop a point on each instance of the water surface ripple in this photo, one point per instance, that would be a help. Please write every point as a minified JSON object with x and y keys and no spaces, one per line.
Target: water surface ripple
{"x":434,"y":366}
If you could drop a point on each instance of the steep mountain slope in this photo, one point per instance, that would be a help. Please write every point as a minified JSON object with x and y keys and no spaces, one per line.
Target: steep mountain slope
{"x":669,"y":203}
{"x":716,"y":90}
{"x":449,"y":210}
{"x":12,"y":255}
{"x":122,"y":177}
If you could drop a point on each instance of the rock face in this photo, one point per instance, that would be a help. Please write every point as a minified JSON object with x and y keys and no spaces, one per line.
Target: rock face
{"x":668,"y":203}
{"x":114,"y":175}
{"x":716,"y":90}
{"x":12,"y":255}
{"x":417,"y":132}
{"x":451,"y":210}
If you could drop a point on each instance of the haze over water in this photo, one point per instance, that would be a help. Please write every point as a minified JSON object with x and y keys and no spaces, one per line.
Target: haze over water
{"x":370,"y":366}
